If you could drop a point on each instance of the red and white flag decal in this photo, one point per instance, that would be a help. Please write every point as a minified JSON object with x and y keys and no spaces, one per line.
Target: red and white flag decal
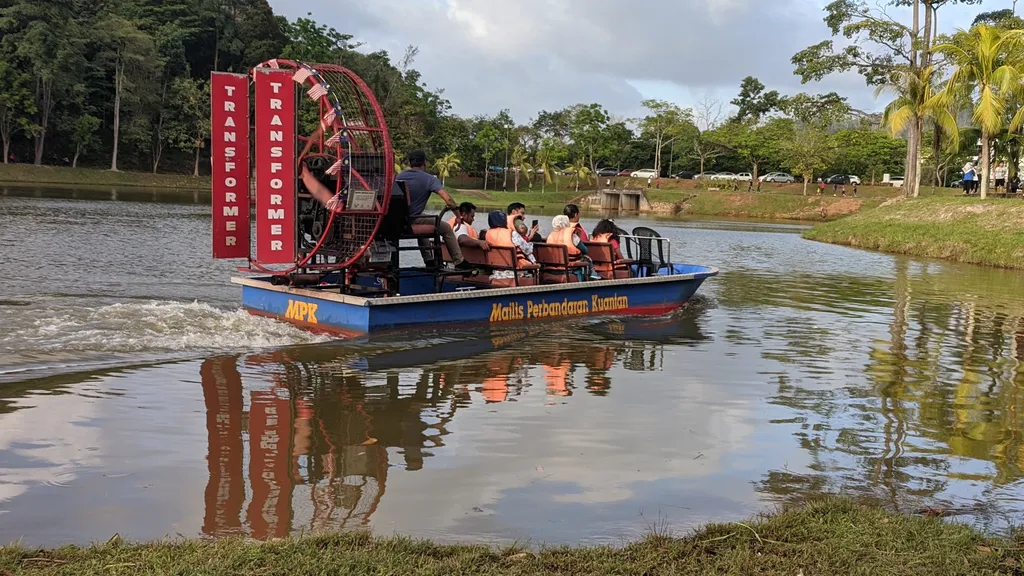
{"x":229,"y":157}
{"x":275,"y":166}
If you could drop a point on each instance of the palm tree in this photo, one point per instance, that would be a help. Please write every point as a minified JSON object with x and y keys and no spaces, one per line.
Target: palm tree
{"x":988,"y":73}
{"x":914,"y":102}
{"x":528,"y":170}
{"x":447,"y":165}
{"x":518,"y":159}
{"x":579,"y":170}
{"x":546,"y":164}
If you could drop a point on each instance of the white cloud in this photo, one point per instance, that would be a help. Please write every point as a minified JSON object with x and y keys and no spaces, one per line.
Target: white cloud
{"x":547,"y":54}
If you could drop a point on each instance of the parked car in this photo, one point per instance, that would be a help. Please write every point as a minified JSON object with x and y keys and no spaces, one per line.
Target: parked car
{"x":644,"y":173}
{"x":607,"y":172}
{"x":705,"y":176}
{"x":896,"y":181}
{"x":842,"y":179}
{"x":686,"y":175}
{"x":780,"y":177}
{"x":626,"y":172}
{"x":744,"y":176}
{"x":723,"y":176}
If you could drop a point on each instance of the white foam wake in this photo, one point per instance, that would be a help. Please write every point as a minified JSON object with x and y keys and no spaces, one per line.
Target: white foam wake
{"x":162,"y":326}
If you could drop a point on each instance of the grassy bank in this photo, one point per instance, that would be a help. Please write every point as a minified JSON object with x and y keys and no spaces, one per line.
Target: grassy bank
{"x":833,"y":537}
{"x":774,"y":206}
{"x":989,"y":232}
{"x":27,"y":174}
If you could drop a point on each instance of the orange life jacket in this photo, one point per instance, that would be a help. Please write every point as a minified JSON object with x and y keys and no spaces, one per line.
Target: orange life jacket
{"x":607,"y":239}
{"x":502,"y":238}
{"x":470,"y":231}
{"x":564,"y":238}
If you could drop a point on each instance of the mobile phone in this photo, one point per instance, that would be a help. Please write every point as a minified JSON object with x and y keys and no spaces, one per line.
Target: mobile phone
{"x":535,"y":222}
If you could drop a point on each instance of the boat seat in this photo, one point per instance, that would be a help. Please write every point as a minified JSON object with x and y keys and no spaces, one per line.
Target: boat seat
{"x":605,"y":263}
{"x":472,"y":254}
{"x":555,"y":265}
{"x":500,"y":258}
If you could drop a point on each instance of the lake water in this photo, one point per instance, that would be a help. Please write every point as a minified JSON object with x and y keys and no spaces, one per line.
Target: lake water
{"x":135,"y":398}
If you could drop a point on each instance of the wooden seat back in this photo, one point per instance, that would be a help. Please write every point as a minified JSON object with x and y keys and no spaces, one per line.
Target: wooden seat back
{"x":605,"y":263}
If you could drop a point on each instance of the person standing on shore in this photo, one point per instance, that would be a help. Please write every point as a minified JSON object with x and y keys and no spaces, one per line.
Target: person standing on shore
{"x":968,"y":180}
{"x":1000,"y":176}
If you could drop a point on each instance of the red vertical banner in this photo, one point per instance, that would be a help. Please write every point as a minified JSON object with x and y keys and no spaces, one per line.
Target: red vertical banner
{"x":270,"y":465}
{"x":229,"y":157}
{"x":275,"y":166}
{"x":225,"y":489}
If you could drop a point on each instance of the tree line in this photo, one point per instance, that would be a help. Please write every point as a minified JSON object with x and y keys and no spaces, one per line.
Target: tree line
{"x":124,"y":83}
{"x":950,"y":91}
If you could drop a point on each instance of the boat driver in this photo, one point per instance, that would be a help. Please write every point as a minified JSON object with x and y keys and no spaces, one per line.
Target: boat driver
{"x":420,"y":185}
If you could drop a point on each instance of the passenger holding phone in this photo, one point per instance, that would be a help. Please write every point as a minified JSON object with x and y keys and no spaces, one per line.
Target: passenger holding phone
{"x":517,"y":221}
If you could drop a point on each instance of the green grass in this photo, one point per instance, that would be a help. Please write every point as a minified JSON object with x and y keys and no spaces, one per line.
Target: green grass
{"x":691,"y":202}
{"x":989,"y":232}
{"x":828,"y":537}
{"x":64,"y":176}
{"x":773,"y":206}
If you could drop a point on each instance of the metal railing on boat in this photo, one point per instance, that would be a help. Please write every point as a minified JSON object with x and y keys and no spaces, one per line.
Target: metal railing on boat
{"x":644,"y":248}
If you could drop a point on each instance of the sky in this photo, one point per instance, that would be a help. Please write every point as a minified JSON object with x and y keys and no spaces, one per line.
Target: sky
{"x":531,"y":55}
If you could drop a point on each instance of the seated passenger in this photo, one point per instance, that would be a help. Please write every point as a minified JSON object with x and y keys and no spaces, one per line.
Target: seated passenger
{"x":572,"y":211}
{"x":501,"y":235}
{"x":462,"y":225}
{"x":563,"y":233}
{"x":606,"y":231}
{"x":517,"y":221}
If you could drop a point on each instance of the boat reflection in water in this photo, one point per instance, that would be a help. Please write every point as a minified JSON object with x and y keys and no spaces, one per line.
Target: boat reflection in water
{"x":312,"y":452}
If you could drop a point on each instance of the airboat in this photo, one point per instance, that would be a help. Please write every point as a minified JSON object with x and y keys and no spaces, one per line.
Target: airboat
{"x":356,"y":265}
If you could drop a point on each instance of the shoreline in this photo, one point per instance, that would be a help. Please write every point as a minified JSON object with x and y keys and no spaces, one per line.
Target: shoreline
{"x":678,"y":201}
{"x":28,"y":175}
{"x":967,"y":230}
{"x":681,"y":204}
{"x":830,"y":536}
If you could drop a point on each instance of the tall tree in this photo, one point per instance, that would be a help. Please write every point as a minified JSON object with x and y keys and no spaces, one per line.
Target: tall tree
{"x":758,"y":145}
{"x":884,"y":51}
{"x":519,"y":158}
{"x":504,"y":124}
{"x":868,"y":152}
{"x":488,"y":140}
{"x":587,"y":131}
{"x":665,"y":124}
{"x":16,"y":104}
{"x":551,"y":152}
{"x":447,"y":165}
{"x":131,"y":56}
{"x":753,"y":103}
{"x":50,"y":38}
{"x":190,"y":127}
{"x":83,"y":135}
{"x":810,"y":150}
{"x":988,"y":72}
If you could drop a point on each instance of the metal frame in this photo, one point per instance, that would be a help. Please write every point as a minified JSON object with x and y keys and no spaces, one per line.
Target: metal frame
{"x":659,"y":240}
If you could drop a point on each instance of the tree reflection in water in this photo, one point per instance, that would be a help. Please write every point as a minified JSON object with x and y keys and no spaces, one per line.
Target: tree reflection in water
{"x":942,"y":396}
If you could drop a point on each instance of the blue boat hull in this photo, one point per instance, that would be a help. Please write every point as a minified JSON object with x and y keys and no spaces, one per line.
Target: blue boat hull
{"x":332,"y":312}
